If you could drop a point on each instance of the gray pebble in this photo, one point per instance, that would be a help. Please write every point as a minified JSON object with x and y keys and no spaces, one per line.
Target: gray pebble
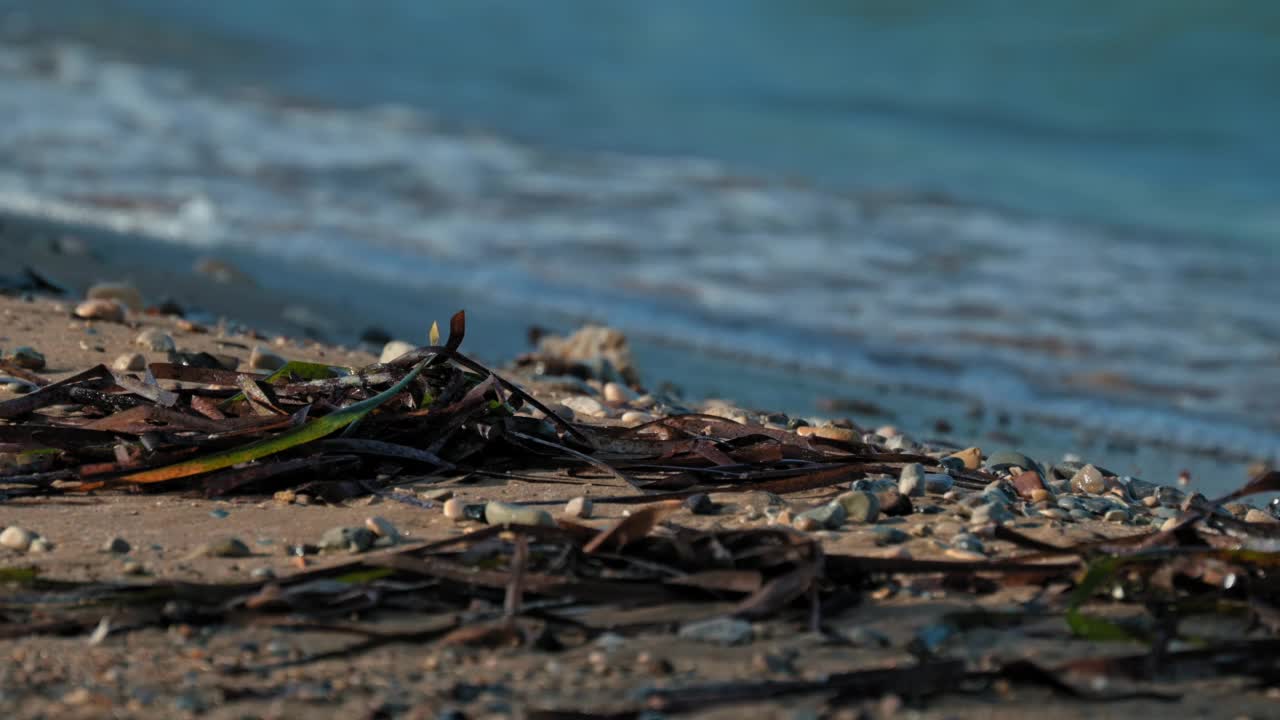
{"x":911,"y":481}
{"x":1116,"y":516}
{"x":700,"y":504}
{"x":116,"y":545}
{"x":1005,"y":459}
{"x":500,"y":513}
{"x":890,"y":536}
{"x":226,"y":547}
{"x":991,"y":512}
{"x":830,"y":516}
{"x":860,"y":507}
{"x":863,"y":636}
{"x":155,"y":340}
{"x":351,"y":539}
{"x":967,"y":541}
{"x":27,"y":358}
{"x":939,"y":483}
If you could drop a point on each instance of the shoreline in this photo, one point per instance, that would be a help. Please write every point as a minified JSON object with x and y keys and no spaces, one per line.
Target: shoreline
{"x":302,"y":300}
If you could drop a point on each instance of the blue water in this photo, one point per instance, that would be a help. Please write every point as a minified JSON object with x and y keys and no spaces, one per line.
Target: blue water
{"x":1068,"y":207}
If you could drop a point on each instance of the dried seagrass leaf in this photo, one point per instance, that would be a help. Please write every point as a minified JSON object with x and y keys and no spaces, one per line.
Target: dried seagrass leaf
{"x":633,"y":527}
{"x":312,"y":430}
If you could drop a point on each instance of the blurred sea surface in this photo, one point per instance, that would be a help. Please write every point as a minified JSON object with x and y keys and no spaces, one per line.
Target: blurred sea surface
{"x":1066,"y":207}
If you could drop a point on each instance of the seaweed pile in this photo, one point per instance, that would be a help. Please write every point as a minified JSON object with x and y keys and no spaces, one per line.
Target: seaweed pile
{"x":434,"y":414}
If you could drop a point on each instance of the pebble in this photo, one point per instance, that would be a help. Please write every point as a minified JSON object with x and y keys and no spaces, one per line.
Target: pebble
{"x":971,"y":457}
{"x":1116,"y":516}
{"x":890,"y":536}
{"x":1006,"y":459}
{"x":129,"y":362}
{"x":26,"y":357}
{"x":991,"y":512}
{"x":263,"y":573}
{"x":1254,"y":515}
{"x":1028,"y":482}
{"x":636,"y":417}
{"x":859,"y":506}
{"x":887,"y":431}
{"x":1168,"y":496}
{"x":225,"y":547}
{"x":261,"y":358}
{"x":455,"y":509}
{"x":838,"y":434}
{"x":719,"y":631}
{"x":830,"y":516}
{"x":106,"y":310}
{"x":583,"y":405}
{"x":284,"y":496}
{"x":967,"y":555}
{"x":155,"y":340}
{"x":395,"y":349}
{"x":351,"y":539}
{"x":579,"y":507}
{"x":806,"y":524}
{"x":382,"y":527}
{"x":894,"y":503}
{"x":116,"y":545}
{"x":899,"y":442}
{"x":500,"y":513}
{"x":700,"y":504}
{"x":938,"y":483}
{"x":1040,"y":495}
{"x":40,"y":545}
{"x":126,"y":295}
{"x":16,"y":538}
{"x":1088,"y":480}
{"x":911,"y":480}
{"x":436,"y":495}
{"x":866,"y":637}
{"x":617,"y":393}
{"x":219,"y":514}
{"x":1169,"y":524}
{"x":967,"y":541}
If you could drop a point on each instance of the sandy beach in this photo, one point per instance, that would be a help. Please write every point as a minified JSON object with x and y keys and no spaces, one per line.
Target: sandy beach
{"x":1004,"y":529}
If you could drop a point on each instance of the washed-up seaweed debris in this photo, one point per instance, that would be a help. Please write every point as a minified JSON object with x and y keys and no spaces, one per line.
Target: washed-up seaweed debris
{"x":434,"y":413}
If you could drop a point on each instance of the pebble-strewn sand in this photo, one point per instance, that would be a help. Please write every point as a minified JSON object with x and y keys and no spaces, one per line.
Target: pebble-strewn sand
{"x":173,"y":673}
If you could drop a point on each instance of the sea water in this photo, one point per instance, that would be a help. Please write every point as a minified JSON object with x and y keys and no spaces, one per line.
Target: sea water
{"x":1069,"y":209}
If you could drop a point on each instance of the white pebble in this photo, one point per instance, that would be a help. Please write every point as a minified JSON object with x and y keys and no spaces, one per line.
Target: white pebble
{"x":395,"y":349}
{"x":579,"y":507}
{"x":16,"y":538}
